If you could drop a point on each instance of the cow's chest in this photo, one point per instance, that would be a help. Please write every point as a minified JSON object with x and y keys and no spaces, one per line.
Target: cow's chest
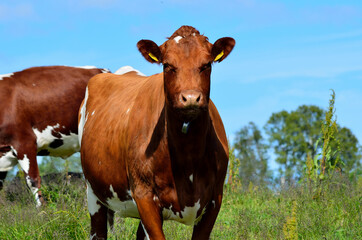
{"x":61,"y":145}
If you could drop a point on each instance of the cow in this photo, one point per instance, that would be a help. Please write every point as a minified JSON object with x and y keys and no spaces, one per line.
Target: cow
{"x":38,"y":116}
{"x":155,"y":147}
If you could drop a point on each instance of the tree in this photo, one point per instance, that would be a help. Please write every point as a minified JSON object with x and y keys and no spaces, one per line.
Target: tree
{"x":293,"y":136}
{"x":252,"y":153}
{"x":350,"y":153}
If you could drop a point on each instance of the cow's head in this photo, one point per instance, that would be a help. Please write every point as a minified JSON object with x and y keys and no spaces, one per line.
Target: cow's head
{"x":187,"y":58}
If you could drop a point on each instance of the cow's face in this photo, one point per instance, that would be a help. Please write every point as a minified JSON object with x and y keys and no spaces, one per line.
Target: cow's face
{"x":187,"y":58}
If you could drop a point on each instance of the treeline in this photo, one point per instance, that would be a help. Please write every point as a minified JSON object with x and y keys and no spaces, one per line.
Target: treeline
{"x":305,"y":143}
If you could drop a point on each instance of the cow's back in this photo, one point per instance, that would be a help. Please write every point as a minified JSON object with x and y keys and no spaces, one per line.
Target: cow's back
{"x":43,"y":101}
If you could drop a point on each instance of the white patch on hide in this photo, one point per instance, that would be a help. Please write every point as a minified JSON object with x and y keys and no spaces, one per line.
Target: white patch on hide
{"x":104,"y":70}
{"x":177,"y":39}
{"x":83,"y":117}
{"x":25,"y":164}
{"x":86,"y":67}
{"x":125,"y":208}
{"x":8,"y":160}
{"x":127,"y":69}
{"x":5,"y":75}
{"x":213,"y":202}
{"x":34,"y":191}
{"x":93,"y":206}
{"x":188,"y":214}
{"x":44,"y":138}
{"x":93,"y":112}
{"x":191,"y":177}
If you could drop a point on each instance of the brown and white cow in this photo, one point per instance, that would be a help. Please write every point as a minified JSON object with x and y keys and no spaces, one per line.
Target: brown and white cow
{"x":155,"y":147}
{"x":38,"y":116}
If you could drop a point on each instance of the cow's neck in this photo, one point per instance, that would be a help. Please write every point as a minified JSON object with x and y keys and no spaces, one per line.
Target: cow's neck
{"x":187,"y":150}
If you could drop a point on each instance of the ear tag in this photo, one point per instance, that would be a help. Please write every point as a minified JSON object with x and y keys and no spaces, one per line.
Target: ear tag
{"x":219,"y":56}
{"x":153,"y":57}
{"x":185,"y":127}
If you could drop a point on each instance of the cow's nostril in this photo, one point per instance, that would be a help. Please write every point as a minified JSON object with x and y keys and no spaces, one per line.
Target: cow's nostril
{"x":184,"y":99}
{"x":198,"y":99}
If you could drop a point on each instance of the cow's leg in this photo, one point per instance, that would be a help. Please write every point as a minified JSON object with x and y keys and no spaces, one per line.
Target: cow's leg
{"x":99,"y":223}
{"x":141,"y":234}
{"x":202,"y":229}
{"x":8,"y":160}
{"x":151,"y":218}
{"x":26,"y":153}
{"x":98,"y":213}
{"x":110,"y":219}
{"x":2,"y":179}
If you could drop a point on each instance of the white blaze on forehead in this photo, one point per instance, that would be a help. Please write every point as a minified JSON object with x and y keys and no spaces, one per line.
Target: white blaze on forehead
{"x":8,"y":160}
{"x":5,"y":75}
{"x":127,"y":69}
{"x":93,"y":206}
{"x":24,"y":164}
{"x":177,"y":39}
{"x":83,"y":117}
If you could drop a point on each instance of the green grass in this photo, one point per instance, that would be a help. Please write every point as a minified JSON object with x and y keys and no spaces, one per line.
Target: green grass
{"x":255,"y":213}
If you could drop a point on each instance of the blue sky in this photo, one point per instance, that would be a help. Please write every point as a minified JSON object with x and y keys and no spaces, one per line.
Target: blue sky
{"x":287,"y":53}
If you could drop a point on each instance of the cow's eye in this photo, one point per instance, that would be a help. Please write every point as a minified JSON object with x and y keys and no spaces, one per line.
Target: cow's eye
{"x":205,"y":67}
{"x":169,"y":68}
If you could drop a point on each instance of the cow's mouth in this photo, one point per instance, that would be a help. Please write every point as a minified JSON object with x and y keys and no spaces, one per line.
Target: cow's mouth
{"x":190,"y":113}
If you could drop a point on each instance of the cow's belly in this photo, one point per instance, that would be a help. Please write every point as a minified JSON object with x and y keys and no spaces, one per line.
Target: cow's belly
{"x":48,"y":144}
{"x":8,"y":160}
{"x":128,"y":208}
{"x":187,"y":216}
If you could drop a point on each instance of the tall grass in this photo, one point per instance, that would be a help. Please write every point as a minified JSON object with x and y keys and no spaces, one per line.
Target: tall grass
{"x":253,"y":213}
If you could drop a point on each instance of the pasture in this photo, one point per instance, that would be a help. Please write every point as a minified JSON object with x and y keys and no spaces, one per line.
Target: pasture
{"x":252,"y":213}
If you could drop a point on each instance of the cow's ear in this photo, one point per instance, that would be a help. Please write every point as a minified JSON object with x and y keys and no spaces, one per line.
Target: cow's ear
{"x":221,"y":48}
{"x":150,"y":51}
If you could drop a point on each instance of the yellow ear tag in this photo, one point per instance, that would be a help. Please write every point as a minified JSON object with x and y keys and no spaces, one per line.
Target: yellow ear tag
{"x":219,"y":56}
{"x":153,"y":57}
